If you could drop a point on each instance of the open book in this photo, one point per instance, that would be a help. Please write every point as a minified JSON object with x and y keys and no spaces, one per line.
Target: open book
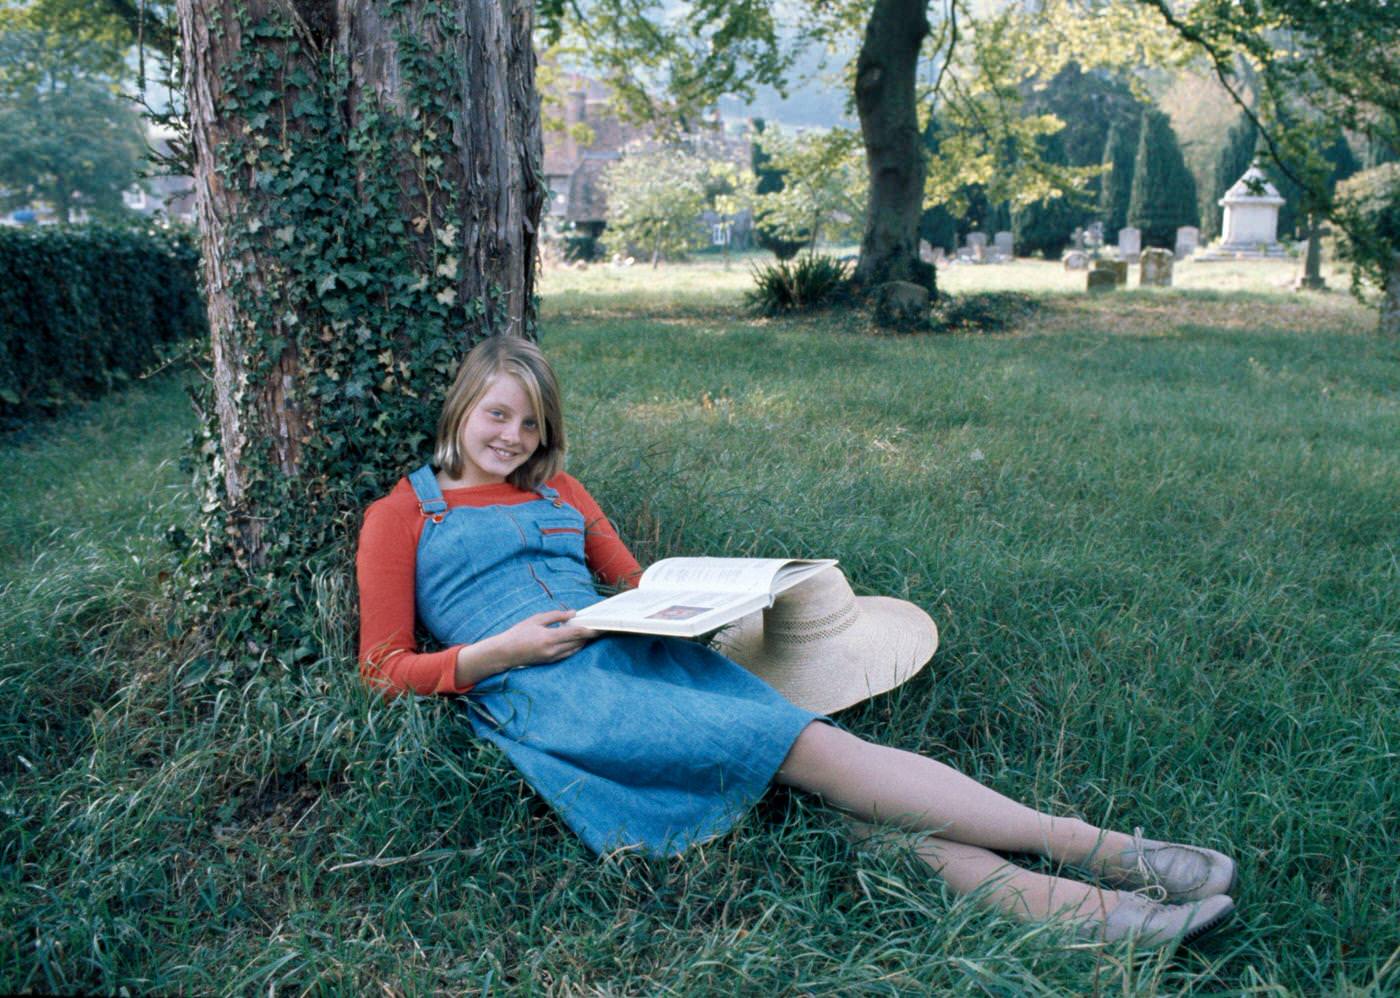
{"x":687,"y":597}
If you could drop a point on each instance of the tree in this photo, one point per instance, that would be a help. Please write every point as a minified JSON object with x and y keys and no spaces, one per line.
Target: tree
{"x":768,"y":179}
{"x":655,"y":198}
{"x":1164,"y":192}
{"x":824,"y":188}
{"x":1045,"y":226}
{"x":368,"y":193}
{"x":1116,"y":187}
{"x":66,"y":137}
{"x":1370,"y":203}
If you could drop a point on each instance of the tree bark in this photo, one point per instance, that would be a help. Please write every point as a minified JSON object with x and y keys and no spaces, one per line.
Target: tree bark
{"x":889,"y":124}
{"x":1312,"y":260}
{"x":329,"y":136}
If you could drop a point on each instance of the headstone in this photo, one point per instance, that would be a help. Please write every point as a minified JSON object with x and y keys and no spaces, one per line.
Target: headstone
{"x":939,"y":255}
{"x":1100,"y":280}
{"x":1155,"y":268}
{"x":977,"y":242}
{"x":1093,"y":235}
{"x":1077,"y":238}
{"x":1188,"y":237}
{"x":1251,"y":215}
{"x":1076,"y":260}
{"x":925,"y":251}
{"x":1129,"y":243}
{"x":1118,"y":268}
{"x":1005,"y":244}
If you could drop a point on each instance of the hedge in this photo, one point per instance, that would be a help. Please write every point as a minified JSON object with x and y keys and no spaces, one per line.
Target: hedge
{"x":84,"y":308}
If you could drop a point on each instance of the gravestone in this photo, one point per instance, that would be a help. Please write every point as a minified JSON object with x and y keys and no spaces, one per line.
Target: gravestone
{"x":1099,"y":280}
{"x":1155,"y":268}
{"x":1129,"y":243}
{"x":1005,"y":244}
{"x":1093,"y":235}
{"x":1076,"y":260}
{"x":1188,"y":237}
{"x":1118,"y":268}
{"x":977,"y":242}
{"x":1251,"y":214}
{"x":925,"y":251}
{"x":1077,"y":238}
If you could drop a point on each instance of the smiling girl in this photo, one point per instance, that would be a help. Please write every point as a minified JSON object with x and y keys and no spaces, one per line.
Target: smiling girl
{"x":655,"y":743}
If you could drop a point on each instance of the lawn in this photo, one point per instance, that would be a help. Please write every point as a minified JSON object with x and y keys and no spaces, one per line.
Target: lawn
{"x":1158,"y":532}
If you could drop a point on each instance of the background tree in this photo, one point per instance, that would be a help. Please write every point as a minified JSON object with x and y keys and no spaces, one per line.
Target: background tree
{"x":368,"y":199}
{"x":1116,"y":184}
{"x":768,"y":179}
{"x":656,"y":195}
{"x":1046,"y":226}
{"x":824,"y":188}
{"x":1164,"y":192}
{"x":1370,"y":204}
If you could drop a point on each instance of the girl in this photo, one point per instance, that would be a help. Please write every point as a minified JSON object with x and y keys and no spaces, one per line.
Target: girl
{"x":654,"y":743}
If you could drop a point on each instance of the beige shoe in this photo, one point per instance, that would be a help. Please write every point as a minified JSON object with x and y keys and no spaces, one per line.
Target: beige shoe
{"x":1152,"y":924}
{"x":1175,"y":872}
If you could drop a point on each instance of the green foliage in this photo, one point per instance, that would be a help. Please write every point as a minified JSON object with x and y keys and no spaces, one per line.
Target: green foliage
{"x":1370,"y":203}
{"x":982,"y":312}
{"x":824,"y":189}
{"x":84,"y":308}
{"x":656,"y":195}
{"x":1164,"y":192}
{"x":1233,"y":160}
{"x":1116,"y":185}
{"x":768,"y":180}
{"x":1046,"y":226}
{"x":808,"y":282}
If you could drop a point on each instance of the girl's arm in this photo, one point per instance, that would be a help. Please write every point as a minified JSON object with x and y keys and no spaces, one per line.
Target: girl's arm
{"x":385,"y":564}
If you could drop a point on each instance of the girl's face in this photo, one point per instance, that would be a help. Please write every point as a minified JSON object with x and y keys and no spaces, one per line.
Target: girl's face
{"x":499,"y":434}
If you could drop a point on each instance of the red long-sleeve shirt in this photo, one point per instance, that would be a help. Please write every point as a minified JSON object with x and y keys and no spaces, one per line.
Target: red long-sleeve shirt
{"x":386,"y":565}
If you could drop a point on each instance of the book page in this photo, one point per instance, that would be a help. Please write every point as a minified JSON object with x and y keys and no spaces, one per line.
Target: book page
{"x":720,"y":575}
{"x":660,"y":605}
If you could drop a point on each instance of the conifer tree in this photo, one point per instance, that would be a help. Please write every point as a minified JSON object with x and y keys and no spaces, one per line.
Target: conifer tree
{"x":1164,"y":191}
{"x":1116,"y":187}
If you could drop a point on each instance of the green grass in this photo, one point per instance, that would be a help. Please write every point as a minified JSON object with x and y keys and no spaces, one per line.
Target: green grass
{"x":1159,"y":535}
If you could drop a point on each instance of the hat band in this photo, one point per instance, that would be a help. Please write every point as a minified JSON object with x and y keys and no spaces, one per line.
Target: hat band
{"x":801,"y":632}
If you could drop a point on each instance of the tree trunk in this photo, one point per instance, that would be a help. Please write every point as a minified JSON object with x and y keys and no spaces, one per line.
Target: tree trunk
{"x":1390,"y":303}
{"x":368,"y":194}
{"x":1312,"y":261}
{"x":889,"y":125}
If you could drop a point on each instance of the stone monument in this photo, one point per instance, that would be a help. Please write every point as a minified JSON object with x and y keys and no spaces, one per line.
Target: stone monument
{"x":1250,"y":228}
{"x":977,"y":242}
{"x":1076,"y":260}
{"x":1005,"y":244}
{"x":1118,"y":268}
{"x":1155,"y":268}
{"x":1129,"y":243}
{"x":1188,"y":237}
{"x":1099,"y":280}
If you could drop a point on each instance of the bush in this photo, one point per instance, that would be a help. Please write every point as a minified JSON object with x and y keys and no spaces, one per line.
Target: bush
{"x":1164,"y":190}
{"x":986,"y":312}
{"x":808,"y":282}
{"x":84,"y":308}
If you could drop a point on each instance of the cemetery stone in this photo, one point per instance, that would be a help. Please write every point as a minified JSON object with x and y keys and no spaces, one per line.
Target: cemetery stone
{"x":1188,"y":237}
{"x":1099,"y":280}
{"x":925,"y":251}
{"x":1118,"y":268}
{"x":1076,"y":260}
{"x":1155,"y":268}
{"x":1129,"y":243}
{"x":1005,"y":244}
{"x":977,"y":242}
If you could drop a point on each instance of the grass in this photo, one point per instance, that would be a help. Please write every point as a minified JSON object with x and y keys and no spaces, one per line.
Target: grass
{"x":1159,"y":535}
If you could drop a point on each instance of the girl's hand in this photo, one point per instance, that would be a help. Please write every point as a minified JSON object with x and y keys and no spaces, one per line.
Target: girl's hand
{"x":542,"y":638}
{"x":545,"y":637}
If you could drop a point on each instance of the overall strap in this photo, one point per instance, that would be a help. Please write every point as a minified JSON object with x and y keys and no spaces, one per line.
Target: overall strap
{"x":552,"y":495}
{"x":425,"y":487}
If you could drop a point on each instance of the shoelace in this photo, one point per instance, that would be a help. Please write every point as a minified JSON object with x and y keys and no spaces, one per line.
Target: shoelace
{"x":1150,"y":889}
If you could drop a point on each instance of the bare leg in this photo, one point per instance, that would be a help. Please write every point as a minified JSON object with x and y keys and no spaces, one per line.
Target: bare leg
{"x":1004,"y":886}
{"x":890,"y":786}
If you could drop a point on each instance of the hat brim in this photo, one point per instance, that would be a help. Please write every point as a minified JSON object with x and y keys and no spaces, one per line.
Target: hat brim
{"x":891,"y":640}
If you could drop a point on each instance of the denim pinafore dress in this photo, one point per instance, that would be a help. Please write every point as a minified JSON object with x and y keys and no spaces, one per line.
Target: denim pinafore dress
{"x":635,"y":741}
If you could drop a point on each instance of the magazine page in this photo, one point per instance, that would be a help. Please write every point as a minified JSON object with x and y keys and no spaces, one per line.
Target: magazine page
{"x":669,"y":611}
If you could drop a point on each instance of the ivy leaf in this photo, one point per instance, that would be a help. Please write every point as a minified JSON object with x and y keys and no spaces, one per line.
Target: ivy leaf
{"x":285,"y":233}
{"x":446,"y":296}
{"x":326,"y":283}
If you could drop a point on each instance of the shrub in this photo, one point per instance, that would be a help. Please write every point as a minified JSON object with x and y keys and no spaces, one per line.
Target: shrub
{"x":808,"y":282}
{"x":84,"y":308}
{"x":987,"y":312}
{"x":1164,"y":191}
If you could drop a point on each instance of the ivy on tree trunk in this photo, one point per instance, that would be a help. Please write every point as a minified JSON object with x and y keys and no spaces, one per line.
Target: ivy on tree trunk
{"x":368,"y":189}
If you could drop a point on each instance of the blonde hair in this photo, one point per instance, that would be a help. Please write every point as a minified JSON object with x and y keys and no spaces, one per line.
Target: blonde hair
{"x":523,"y":361}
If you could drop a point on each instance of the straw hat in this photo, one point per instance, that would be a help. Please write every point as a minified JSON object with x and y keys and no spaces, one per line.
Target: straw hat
{"x":825,"y":648}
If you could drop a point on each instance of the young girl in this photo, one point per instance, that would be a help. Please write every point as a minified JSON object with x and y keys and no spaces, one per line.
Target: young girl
{"x":655,"y":743}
